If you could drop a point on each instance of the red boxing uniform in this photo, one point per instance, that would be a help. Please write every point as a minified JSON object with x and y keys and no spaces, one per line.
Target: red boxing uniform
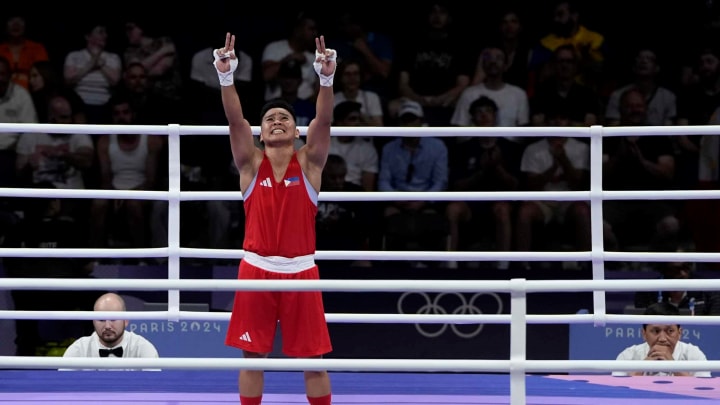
{"x":279,"y":244}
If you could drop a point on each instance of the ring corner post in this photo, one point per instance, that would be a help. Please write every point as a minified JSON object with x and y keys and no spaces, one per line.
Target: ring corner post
{"x":518,"y":340}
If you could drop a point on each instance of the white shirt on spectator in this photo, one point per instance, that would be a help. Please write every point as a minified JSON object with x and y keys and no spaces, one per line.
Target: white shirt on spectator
{"x":512,"y":101}
{"x":370,"y":104}
{"x":52,"y":167}
{"x":537,"y":159}
{"x":16,"y":107}
{"x":683,"y":351}
{"x":94,"y":88}
{"x":128,"y":166}
{"x":276,"y":51}
{"x":661,"y":107}
{"x":360,"y":157}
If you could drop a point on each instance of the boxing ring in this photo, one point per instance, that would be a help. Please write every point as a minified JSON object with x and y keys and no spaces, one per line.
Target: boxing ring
{"x":516,"y":380}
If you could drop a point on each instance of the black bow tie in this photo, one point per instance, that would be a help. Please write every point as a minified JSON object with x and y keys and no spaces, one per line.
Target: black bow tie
{"x":118,"y":352}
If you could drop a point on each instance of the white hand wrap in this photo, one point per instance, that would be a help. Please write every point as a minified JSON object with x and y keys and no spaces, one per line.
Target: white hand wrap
{"x":325,"y":81}
{"x":226,"y":78}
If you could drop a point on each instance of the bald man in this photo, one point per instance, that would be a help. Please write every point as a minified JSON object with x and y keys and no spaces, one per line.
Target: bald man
{"x":110,"y":338}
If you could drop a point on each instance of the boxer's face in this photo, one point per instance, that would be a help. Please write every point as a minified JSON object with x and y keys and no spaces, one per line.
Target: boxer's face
{"x":278,"y":124}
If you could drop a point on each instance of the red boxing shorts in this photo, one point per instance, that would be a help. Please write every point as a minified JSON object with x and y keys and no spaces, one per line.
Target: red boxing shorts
{"x":301,"y":316}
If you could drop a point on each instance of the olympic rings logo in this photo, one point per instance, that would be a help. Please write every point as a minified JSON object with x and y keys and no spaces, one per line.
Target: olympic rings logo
{"x":422,"y":303}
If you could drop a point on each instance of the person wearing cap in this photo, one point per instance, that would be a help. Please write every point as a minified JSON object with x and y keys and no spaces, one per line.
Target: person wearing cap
{"x":411,"y":112}
{"x":414,"y":163}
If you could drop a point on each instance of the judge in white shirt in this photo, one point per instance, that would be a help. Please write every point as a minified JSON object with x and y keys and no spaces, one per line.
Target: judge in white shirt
{"x":110,"y":338}
{"x":662,"y":342}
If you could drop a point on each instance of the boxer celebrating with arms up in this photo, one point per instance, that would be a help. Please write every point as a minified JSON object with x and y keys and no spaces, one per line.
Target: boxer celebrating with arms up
{"x":280,"y":187}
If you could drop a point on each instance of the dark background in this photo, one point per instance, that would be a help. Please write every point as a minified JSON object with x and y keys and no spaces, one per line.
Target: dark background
{"x":673,"y":25}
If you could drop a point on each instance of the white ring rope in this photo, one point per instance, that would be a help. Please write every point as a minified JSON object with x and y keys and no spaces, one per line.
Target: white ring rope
{"x":373,"y":195}
{"x":469,"y":319}
{"x":381,"y":365}
{"x":373,"y":255}
{"x":496,"y":286}
{"x":518,"y":288}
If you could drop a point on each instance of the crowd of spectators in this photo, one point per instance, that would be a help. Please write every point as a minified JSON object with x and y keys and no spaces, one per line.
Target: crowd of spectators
{"x":554,"y":63}
{"x":441,"y":64}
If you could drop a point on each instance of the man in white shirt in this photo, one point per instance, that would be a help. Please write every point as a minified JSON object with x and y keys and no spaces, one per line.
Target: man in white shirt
{"x":662,"y":342}
{"x":512,"y":101}
{"x":361,"y":156}
{"x":110,"y":338}
{"x":298,"y":46}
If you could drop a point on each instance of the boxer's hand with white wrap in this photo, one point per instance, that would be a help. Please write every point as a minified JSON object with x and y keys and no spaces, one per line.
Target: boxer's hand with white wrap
{"x":225,"y":61}
{"x":325,"y":62}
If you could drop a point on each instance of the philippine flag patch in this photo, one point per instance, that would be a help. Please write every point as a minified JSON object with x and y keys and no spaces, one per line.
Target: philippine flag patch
{"x":292,"y":181}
